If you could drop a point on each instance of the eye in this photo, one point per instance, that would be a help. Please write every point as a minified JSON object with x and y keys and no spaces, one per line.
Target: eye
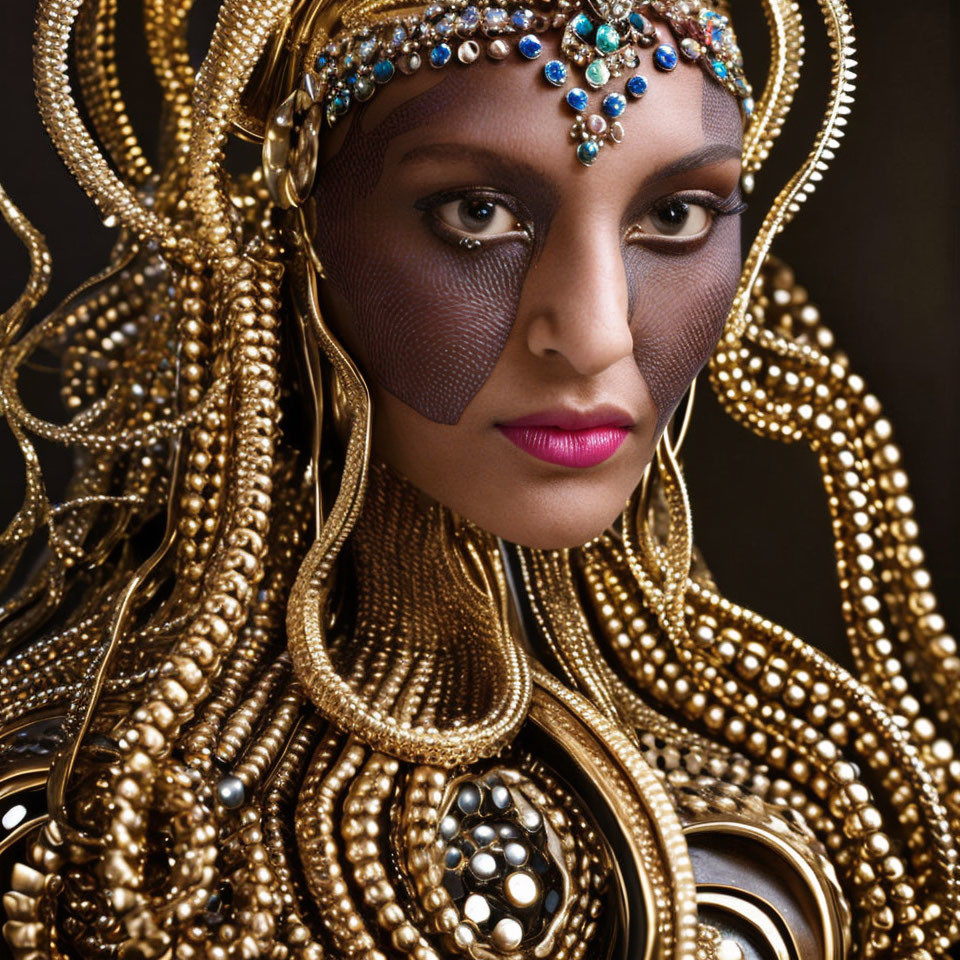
{"x":478,"y":216}
{"x":674,"y":217}
{"x":472,"y":217}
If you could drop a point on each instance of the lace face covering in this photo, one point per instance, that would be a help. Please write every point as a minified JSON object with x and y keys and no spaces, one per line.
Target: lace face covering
{"x":429,"y":312}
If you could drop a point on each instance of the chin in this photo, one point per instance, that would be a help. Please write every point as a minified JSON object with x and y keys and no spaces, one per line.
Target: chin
{"x":558,"y":536}
{"x":552,"y":522}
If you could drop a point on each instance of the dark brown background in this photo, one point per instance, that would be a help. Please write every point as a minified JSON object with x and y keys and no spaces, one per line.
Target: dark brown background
{"x":877,"y":247}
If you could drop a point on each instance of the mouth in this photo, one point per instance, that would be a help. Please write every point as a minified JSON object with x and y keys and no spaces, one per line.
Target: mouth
{"x":570,"y":438}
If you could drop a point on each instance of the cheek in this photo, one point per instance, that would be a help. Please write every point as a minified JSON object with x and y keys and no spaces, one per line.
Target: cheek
{"x":430,"y":320}
{"x":678,"y":305}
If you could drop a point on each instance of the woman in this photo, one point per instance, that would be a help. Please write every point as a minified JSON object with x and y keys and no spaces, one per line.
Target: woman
{"x":397,"y":673}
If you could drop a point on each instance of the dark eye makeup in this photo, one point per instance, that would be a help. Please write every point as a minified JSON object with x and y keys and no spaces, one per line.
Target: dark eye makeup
{"x":476,"y":212}
{"x":682,"y":221}
{"x":676,"y":222}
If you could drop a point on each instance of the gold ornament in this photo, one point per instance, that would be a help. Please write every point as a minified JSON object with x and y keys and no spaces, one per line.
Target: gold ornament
{"x":237,"y":727}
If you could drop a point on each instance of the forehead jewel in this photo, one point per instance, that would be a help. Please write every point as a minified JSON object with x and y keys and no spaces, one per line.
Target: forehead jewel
{"x":607,"y":50}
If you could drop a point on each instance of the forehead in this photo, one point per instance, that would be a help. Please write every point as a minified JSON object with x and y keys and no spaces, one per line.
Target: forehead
{"x":508,"y":107}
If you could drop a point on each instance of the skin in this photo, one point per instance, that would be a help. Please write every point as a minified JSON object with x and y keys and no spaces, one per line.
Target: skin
{"x":577,"y":309}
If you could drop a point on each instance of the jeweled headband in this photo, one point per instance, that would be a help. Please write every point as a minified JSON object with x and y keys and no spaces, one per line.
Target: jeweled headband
{"x":605,"y":49}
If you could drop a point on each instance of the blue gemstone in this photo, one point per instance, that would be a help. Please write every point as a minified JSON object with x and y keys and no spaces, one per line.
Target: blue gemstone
{"x":444,"y":27}
{"x":582,"y":26}
{"x":470,"y":16}
{"x":341,"y":103}
{"x":352,"y":80}
{"x":440,"y":55}
{"x":367,"y":49}
{"x":382,"y":71}
{"x":747,"y":106}
{"x":399,"y":36}
{"x":321,"y":62}
{"x":587,"y":152}
{"x":614,"y":104}
{"x":494,"y":19}
{"x":350,"y":63}
{"x":665,"y":57}
{"x":720,"y":69}
{"x":530,"y":47}
{"x":452,"y":857}
{"x":555,"y":72}
{"x":637,"y":86}
{"x":578,"y":99}
{"x":522,"y":18}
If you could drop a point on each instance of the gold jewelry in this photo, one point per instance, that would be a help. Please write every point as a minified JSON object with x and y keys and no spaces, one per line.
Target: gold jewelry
{"x":208,"y":807}
{"x":387,"y":722}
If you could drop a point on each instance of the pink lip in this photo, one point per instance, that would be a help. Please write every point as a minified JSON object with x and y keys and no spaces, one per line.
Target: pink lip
{"x":570,"y":438}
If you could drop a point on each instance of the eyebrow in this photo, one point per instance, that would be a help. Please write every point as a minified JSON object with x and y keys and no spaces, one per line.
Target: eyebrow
{"x":465,"y":151}
{"x":705,"y":156}
{"x":536,"y":191}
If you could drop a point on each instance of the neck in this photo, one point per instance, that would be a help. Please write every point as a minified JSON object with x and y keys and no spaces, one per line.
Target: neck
{"x":428,"y":647}
{"x":428,"y":604}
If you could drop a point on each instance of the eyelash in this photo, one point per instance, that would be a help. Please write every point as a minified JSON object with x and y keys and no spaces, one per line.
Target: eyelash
{"x":429,"y":205}
{"x":731,"y":206}
{"x":728,"y":207}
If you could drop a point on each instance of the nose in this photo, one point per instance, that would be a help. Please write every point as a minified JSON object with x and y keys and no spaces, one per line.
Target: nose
{"x":574,"y":299}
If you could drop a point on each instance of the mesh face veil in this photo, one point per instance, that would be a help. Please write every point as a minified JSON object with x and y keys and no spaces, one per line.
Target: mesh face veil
{"x":221,"y":742}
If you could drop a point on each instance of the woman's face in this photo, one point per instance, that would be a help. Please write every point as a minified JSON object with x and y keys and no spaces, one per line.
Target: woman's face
{"x":527,"y":324}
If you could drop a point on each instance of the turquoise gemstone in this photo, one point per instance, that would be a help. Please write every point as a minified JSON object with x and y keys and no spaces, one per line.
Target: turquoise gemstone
{"x":720,"y":69}
{"x":641,"y":24}
{"x":587,"y":152}
{"x":382,"y":71}
{"x":597,"y":74}
{"x":608,"y":40}
{"x":582,"y":26}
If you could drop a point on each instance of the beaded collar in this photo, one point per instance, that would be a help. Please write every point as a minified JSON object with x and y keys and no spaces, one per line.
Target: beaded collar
{"x":603,"y":56}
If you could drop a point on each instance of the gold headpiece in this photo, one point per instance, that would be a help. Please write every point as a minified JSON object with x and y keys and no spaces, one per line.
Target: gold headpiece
{"x":602,"y":43}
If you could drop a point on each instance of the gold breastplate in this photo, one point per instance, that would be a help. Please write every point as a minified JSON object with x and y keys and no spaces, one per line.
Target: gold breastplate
{"x":617,"y":822}
{"x":569,"y":845}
